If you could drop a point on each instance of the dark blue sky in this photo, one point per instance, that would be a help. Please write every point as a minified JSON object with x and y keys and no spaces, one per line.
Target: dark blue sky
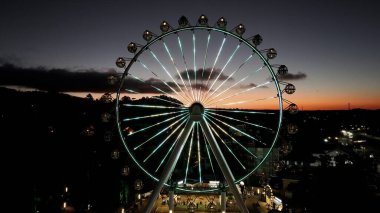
{"x":335,"y":43}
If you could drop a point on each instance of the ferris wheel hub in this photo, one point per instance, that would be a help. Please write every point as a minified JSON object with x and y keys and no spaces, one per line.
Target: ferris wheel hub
{"x":196,"y":111}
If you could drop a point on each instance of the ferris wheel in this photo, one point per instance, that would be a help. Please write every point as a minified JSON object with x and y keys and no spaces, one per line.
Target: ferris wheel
{"x":200,"y":104}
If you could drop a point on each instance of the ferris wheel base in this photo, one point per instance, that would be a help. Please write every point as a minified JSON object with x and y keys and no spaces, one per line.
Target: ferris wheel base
{"x":171,"y":163}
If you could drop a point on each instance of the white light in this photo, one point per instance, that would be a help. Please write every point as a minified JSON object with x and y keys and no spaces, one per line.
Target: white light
{"x":64,"y":204}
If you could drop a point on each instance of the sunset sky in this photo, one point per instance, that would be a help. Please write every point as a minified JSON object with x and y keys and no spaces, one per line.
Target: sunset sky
{"x":333,"y":43}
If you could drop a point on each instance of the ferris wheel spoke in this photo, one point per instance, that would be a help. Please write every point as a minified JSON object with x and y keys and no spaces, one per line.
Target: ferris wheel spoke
{"x":169,"y":151}
{"x":189,"y":155}
{"x":228,"y":148}
{"x":221,"y":71}
{"x":241,"y":92}
{"x":233,"y":86}
{"x":156,"y":124}
{"x":239,"y":111}
{"x":154,"y":87}
{"x":236,"y":129}
{"x":238,"y":120}
{"x":230,"y":136}
{"x":175,"y":66}
{"x":199,"y":155}
{"x":213,"y":66}
{"x":164,"y":141}
{"x":167,"y":72}
{"x":131,"y":91}
{"x":230,"y":76}
{"x":242,"y":102}
{"x":209,"y":156}
{"x":166,"y":155}
{"x":209,"y":102}
{"x":185,"y":62}
{"x":152,"y":116}
{"x":195,"y":67}
{"x":159,"y":132}
{"x":152,"y":106}
{"x":204,"y":64}
{"x":172,"y":102}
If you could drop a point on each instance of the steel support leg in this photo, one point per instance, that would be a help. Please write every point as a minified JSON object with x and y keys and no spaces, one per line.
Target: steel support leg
{"x":171,"y":201}
{"x":170,"y":165}
{"x":223,"y":202}
{"x":223,"y":165}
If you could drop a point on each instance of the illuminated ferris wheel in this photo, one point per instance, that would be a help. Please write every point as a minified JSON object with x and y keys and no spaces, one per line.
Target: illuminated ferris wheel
{"x":200,"y":104}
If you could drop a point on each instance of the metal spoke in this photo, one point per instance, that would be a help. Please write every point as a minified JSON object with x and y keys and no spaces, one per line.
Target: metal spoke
{"x":152,"y":116}
{"x":241,"y":92}
{"x":199,"y":155}
{"x":164,"y":141}
{"x":230,"y":76}
{"x":186,"y":67}
{"x":240,"y":111}
{"x":152,"y":106}
{"x":230,"y":136}
{"x":242,"y":102}
{"x":164,"y":82}
{"x":159,"y":133}
{"x":169,"y":151}
{"x":241,"y":80}
{"x":175,"y":65}
{"x":236,"y":129}
{"x":221,"y":71}
{"x":228,"y":148}
{"x":234,"y":119}
{"x":189,"y":155}
{"x":204,"y":64}
{"x":195,"y":67}
{"x":156,"y":124}
{"x":209,"y":156}
{"x":167,"y":72}
{"x":154,"y":97}
{"x":213,"y":66}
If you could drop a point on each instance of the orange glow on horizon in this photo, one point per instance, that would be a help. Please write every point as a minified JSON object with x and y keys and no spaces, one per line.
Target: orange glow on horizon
{"x":304,"y":103}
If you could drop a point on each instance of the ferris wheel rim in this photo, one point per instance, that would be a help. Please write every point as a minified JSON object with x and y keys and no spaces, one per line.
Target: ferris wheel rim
{"x":264,"y":60}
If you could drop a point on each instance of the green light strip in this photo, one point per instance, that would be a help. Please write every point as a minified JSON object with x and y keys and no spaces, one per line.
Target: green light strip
{"x":234,"y":119}
{"x":186,"y":68}
{"x":189,"y":155}
{"x":160,"y":132}
{"x":228,"y":148}
{"x":156,"y":124}
{"x":221,"y":71}
{"x":226,"y":133}
{"x":164,"y":141}
{"x":213,"y":66}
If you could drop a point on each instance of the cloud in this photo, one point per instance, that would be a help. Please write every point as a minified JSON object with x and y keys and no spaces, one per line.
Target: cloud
{"x":151,"y":85}
{"x":57,"y":80}
{"x":203,"y":75}
{"x":250,"y":85}
{"x":290,"y":76}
